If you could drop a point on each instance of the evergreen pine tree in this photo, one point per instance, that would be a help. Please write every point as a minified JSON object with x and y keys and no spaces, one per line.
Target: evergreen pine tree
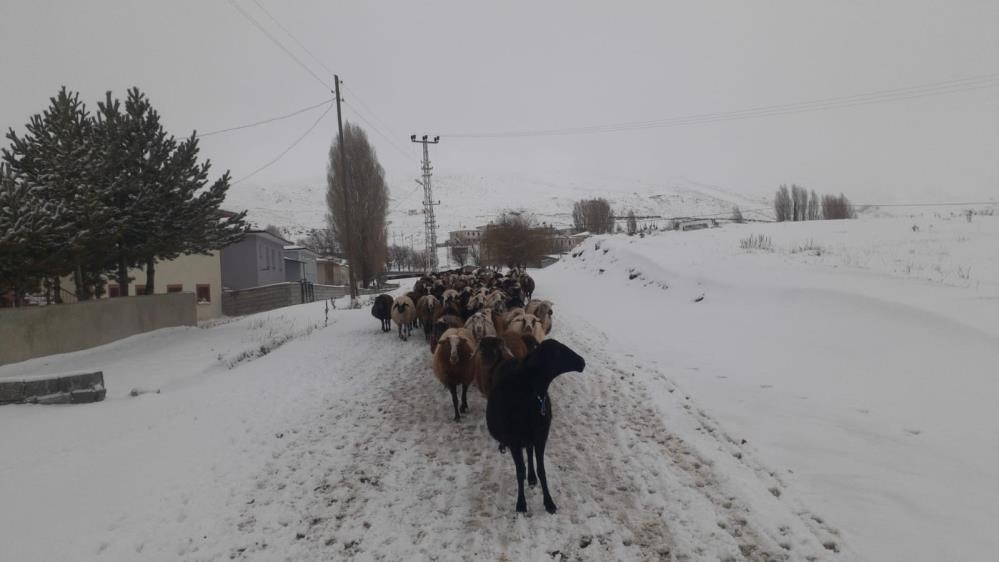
{"x":55,"y":159}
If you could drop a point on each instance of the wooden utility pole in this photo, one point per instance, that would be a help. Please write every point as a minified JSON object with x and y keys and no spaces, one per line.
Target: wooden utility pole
{"x":346,"y":198}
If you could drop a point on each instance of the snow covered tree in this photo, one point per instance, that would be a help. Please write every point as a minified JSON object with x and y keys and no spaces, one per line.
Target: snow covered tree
{"x":30,"y":228}
{"x":56,"y":160}
{"x":366,"y":195}
{"x":157,"y":188}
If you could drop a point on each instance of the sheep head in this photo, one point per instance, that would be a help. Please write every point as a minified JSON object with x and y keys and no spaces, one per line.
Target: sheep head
{"x":454,"y":341}
{"x":550,"y":359}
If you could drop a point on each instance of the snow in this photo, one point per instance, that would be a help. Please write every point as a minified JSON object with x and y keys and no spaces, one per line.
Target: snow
{"x":864,"y":375}
{"x":835,"y":403}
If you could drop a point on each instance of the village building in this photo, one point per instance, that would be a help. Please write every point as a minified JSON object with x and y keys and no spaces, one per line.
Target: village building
{"x":257,"y":259}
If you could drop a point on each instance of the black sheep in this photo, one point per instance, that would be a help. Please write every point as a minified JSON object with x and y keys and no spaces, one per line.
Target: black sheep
{"x":382,"y":310}
{"x":519,"y":412}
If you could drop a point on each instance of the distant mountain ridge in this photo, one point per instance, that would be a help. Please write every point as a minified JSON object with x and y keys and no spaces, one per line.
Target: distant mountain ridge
{"x":468,"y":201}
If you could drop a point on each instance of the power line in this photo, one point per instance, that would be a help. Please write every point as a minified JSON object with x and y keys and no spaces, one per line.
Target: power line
{"x":383,"y":135}
{"x":265,"y":121}
{"x":287,"y":150}
{"x":896,"y":94}
{"x":293,"y":38}
{"x":354,"y":95}
{"x":278,"y":43}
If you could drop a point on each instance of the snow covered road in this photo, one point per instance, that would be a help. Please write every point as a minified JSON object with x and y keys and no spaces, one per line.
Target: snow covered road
{"x":339,"y":445}
{"x":384,"y":473}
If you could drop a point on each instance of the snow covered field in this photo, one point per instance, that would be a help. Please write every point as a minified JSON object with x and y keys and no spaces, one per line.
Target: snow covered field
{"x":830,"y":399}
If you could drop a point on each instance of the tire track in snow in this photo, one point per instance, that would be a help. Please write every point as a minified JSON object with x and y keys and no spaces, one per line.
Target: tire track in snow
{"x":385,"y":474}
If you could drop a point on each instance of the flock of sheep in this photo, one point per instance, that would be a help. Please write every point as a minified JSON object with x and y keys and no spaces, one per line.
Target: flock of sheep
{"x":483,"y":327}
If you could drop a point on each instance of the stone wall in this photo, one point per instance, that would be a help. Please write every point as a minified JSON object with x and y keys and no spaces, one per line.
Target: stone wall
{"x":45,"y":330}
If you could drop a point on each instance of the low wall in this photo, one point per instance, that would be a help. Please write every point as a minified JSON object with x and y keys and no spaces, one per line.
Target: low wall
{"x":278,"y":295}
{"x":259,"y":299}
{"x":45,"y":330}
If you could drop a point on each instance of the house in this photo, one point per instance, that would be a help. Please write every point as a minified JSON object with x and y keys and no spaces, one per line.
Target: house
{"x":257,"y":259}
{"x":332,"y":271}
{"x":299,"y":264}
{"x":196,"y":273}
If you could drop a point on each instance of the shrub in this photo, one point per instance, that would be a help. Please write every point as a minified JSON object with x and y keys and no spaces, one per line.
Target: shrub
{"x":757,"y":242}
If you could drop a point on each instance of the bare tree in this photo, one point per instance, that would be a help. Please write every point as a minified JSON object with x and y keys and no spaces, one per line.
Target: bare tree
{"x":737,"y":215}
{"x":632,"y":223}
{"x":799,"y":203}
{"x":837,"y":207}
{"x":513,"y":240}
{"x":460,"y":255}
{"x":813,"y":207}
{"x":365,"y":243}
{"x":275,"y":230}
{"x":321,"y":241}
{"x":782,"y":204}
{"x":593,"y":215}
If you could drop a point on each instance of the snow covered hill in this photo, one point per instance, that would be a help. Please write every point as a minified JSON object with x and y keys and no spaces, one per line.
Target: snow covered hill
{"x":468,"y":201}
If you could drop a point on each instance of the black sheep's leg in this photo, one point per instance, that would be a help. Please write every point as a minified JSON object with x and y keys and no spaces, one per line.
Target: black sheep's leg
{"x":532,"y":478}
{"x":464,"y":398}
{"x":518,"y":459}
{"x":454,"y":400}
{"x":549,"y":504}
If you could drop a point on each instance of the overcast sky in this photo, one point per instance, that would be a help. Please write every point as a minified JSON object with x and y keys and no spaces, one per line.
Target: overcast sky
{"x":476,"y":67}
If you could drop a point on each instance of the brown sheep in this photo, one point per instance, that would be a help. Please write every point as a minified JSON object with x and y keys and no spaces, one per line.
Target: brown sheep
{"x":511,"y":314}
{"x":493,"y":350}
{"x":543,"y":310}
{"x":441,"y":325}
{"x":453,"y":365}
{"x":528,"y":325}
{"x":403,"y":314}
{"x":427,"y":310}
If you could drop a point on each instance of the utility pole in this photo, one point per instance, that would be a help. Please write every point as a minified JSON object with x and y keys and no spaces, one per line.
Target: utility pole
{"x":346,"y":197}
{"x":429,"y":222}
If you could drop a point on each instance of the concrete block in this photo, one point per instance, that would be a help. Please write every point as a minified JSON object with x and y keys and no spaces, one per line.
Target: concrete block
{"x":40,"y":387}
{"x":57,"y":398}
{"x":70,"y":383}
{"x":11,"y":392}
{"x":83,"y":396}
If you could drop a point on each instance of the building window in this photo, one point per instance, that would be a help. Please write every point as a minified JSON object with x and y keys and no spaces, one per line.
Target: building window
{"x":204,"y":293}
{"x":114,"y":290}
{"x":140,"y":290}
{"x":176,"y":288}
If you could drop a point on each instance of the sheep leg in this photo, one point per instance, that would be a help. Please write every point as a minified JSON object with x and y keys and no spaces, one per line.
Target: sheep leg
{"x":454,"y":400}
{"x":549,"y":504}
{"x":464,"y":398}
{"x":518,"y":459}
{"x":532,"y":478}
